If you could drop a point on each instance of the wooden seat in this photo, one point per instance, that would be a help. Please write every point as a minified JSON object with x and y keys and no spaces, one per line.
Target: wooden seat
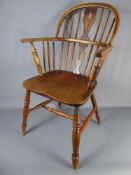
{"x":68,"y":64}
{"x":65,"y":87}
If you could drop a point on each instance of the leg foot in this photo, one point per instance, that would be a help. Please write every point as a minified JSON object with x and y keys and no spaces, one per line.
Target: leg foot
{"x":25,"y":112}
{"x":75,"y":162}
{"x":23,"y":129}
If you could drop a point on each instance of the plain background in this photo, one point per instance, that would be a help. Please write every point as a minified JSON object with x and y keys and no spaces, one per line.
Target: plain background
{"x":38,"y":18}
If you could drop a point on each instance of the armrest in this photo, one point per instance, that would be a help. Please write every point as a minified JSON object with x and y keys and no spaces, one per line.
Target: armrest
{"x":30,"y":40}
{"x":37,"y":61}
{"x":104,"y":51}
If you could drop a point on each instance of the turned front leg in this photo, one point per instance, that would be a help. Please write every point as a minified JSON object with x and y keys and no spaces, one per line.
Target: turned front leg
{"x":76,"y":138}
{"x":25,"y":111}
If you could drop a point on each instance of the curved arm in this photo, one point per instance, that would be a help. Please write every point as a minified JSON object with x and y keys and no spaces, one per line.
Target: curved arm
{"x":30,"y":40}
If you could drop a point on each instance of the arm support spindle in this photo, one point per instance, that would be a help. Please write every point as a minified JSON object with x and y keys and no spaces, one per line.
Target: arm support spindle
{"x":36,"y":59}
{"x":100,"y":55}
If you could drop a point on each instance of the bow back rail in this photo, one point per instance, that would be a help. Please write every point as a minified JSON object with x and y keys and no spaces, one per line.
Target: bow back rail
{"x":88,"y":21}
{"x":78,"y":21}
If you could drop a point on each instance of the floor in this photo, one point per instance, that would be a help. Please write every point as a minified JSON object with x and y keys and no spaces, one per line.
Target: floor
{"x":46,"y":149}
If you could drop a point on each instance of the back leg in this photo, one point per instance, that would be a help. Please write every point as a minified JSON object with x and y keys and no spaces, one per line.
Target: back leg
{"x":76,"y":138}
{"x":59,"y":105}
{"x":25,"y":111}
{"x":94,"y":104}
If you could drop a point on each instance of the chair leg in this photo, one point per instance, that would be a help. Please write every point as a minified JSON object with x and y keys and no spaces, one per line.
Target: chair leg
{"x":59,"y":105}
{"x":76,"y":138}
{"x":94,"y":104}
{"x":25,"y":111}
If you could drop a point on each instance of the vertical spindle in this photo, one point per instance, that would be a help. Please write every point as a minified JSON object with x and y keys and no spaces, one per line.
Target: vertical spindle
{"x":44,"y":56}
{"x":48,"y":47}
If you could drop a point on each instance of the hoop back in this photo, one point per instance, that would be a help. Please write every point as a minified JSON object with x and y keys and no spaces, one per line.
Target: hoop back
{"x":90,"y":21}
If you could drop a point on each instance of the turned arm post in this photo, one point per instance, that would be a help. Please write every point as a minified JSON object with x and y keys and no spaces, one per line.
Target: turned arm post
{"x":100,"y":56}
{"x":36,"y":59}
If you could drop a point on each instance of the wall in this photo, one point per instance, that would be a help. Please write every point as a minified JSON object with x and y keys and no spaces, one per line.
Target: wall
{"x":38,"y":18}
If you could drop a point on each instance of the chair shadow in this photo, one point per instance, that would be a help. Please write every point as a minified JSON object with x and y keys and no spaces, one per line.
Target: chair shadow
{"x":56,"y":157}
{"x":113,"y":139}
{"x":40,"y":124}
{"x":52,"y":155}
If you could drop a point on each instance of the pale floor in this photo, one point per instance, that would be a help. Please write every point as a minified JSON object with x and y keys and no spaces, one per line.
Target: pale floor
{"x":46,"y":149}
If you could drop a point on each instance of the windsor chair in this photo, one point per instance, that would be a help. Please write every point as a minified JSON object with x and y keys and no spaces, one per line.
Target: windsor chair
{"x":70,"y":65}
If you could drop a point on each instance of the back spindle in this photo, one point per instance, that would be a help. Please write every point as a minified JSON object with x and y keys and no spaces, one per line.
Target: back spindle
{"x":44,"y":56}
{"x":53,"y":45}
{"x":48,"y":50}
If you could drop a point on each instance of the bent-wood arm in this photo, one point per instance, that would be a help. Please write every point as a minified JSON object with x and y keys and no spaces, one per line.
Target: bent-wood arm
{"x":30,"y":40}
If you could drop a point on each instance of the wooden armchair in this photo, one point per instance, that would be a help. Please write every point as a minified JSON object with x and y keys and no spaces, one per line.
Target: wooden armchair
{"x":70,"y":64}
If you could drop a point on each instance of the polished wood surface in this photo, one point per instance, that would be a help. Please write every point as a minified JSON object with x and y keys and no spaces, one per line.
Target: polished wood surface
{"x":70,"y":64}
{"x":61,"y":86}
